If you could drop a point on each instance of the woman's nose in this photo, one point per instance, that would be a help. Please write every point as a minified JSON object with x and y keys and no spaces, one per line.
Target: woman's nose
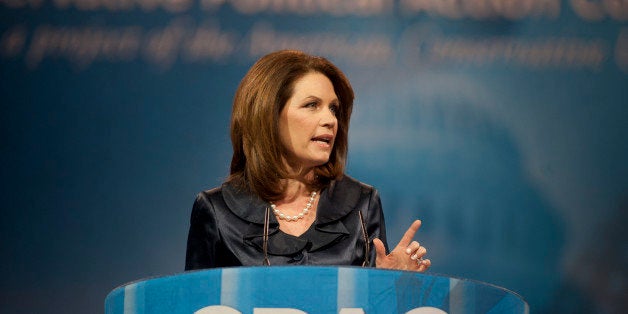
{"x":329,"y":118}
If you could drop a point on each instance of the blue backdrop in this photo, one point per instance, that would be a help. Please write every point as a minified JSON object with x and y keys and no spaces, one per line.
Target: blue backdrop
{"x":501,"y":124}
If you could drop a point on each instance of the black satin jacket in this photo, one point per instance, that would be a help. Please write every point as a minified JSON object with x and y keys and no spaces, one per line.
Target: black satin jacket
{"x":227,"y":228}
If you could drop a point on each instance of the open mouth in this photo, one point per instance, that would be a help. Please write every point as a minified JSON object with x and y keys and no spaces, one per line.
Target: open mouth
{"x":326,"y":139}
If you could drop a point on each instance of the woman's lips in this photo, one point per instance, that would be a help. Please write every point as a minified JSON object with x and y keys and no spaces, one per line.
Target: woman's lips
{"x":324,"y":140}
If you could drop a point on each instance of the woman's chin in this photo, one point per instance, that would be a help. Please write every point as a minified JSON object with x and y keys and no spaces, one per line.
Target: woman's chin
{"x":316,"y":162}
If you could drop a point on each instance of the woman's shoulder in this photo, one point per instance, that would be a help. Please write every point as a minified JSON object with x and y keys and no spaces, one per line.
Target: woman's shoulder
{"x":350,"y":191}
{"x":210,"y":192}
{"x":208,"y":195}
{"x":351,"y":183}
{"x":233,"y":198}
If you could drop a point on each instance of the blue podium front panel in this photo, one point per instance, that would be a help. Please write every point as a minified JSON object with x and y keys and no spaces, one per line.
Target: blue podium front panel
{"x":303,"y":289}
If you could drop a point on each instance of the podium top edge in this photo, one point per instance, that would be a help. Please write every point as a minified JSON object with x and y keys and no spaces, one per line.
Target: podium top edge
{"x":309,"y":268}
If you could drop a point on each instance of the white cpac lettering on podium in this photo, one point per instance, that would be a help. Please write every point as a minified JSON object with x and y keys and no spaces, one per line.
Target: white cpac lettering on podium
{"x":217,"y":309}
{"x":351,"y":311}
{"x":426,"y":310}
{"x":223,"y":309}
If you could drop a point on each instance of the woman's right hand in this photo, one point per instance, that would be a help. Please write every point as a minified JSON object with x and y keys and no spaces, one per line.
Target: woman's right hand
{"x":407,"y":255}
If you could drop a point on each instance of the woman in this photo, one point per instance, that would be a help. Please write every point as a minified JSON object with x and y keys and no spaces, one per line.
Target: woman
{"x":287,"y":200}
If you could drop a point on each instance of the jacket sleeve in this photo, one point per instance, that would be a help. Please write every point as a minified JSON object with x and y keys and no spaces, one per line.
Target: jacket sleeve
{"x":376,"y":227}
{"x":203,"y":235}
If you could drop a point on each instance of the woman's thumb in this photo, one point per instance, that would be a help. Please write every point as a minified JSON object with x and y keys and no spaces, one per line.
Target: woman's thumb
{"x":380,"y":249}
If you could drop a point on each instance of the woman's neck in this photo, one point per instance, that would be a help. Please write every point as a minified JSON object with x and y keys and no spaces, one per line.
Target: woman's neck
{"x":297,"y":186}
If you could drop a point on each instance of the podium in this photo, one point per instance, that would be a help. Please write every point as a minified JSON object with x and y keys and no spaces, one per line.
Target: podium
{"x":310,"y":289}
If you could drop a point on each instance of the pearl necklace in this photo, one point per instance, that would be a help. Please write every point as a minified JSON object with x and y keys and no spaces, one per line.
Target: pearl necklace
{"x":289,"y":218}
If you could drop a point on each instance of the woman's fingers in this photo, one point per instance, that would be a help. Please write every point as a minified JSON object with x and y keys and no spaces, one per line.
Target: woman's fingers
{"x":407,"y":237}
{"x":424,"y":265}
{"x":418,"y":254}
{"x":407,"y":255}
{"x":412,"y":247}
{"x":414,"y":250}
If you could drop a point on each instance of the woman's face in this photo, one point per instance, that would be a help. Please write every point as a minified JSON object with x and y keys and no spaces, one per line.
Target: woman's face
{"x":307,"y":123}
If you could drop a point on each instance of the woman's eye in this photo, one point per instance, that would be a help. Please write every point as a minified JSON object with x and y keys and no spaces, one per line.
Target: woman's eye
{"x":311,"y":105}
{"x":334,"y":109}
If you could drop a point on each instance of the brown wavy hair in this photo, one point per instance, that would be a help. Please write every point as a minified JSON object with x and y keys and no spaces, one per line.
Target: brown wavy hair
{"x":257,"y":164}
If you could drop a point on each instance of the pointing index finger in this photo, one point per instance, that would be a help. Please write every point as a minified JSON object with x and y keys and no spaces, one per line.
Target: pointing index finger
{"x":409,"y":235}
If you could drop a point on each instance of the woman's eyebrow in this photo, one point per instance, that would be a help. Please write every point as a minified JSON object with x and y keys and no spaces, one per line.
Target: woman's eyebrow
{"x":335,"y":100}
